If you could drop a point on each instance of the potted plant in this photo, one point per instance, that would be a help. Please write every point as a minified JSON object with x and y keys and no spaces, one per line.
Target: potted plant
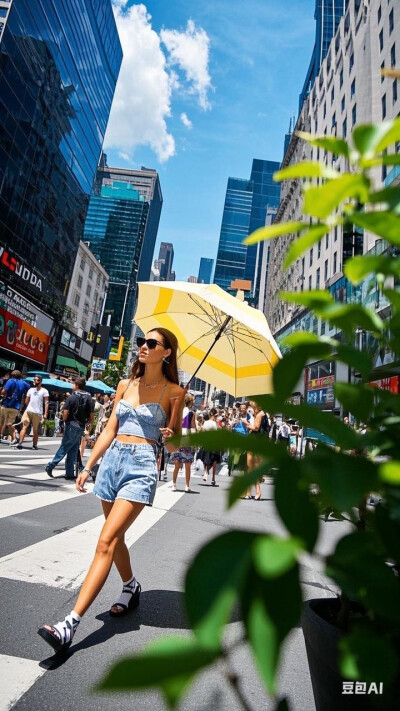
{"x":48,"y":427}
{"x":360,"y":629}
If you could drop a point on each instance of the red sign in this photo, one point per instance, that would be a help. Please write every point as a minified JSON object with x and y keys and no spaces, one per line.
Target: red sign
{"x":317,"y":383}
{"x":22,"y":338}
{"x":391,"y":384}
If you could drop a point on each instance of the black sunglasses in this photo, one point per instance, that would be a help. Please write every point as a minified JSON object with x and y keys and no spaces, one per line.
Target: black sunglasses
{"x":151,"y":343}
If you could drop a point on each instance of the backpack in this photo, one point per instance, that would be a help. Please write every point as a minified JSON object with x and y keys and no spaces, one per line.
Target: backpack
{"x":84,"y":410}
{"x":265,"y":425}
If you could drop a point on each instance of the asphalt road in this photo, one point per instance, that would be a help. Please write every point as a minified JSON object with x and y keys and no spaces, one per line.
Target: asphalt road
{"x":47,"y":537}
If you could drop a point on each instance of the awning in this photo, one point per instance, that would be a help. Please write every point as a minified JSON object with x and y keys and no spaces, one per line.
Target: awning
{"x":70,"y":364}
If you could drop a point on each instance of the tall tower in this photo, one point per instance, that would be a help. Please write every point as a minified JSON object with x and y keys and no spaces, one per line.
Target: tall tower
{"x":328,"y":14}
{"x":231,"y":256}
{"x":165,"y":261}
{"x":205,"y":270}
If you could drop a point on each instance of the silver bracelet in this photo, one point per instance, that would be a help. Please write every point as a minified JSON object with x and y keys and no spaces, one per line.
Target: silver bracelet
{"x":89,"y":471}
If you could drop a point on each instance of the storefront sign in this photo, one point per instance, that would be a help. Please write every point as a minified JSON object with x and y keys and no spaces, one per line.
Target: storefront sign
{"x":7,"y":364}
{"x":321,"y":396}
{"x":22,"y":338}
{"x":318,"y":383}
{"x":391,"y":384}
{"x":99,"y":364}
{"x":22,"y":271}
{"x":15,"y":304}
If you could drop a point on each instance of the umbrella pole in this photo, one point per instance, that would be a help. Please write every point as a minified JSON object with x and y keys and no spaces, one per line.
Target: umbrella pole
{"x":178,"y":400}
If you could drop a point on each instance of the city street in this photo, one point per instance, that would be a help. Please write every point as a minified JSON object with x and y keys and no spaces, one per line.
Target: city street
{"x":48,"y":534}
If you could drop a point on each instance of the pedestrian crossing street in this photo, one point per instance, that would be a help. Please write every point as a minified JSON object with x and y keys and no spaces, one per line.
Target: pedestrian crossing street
{"x":29,"y":498}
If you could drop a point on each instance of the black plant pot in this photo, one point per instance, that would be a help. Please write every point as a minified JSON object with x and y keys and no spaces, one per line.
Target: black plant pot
{"x":49,"y":433}
{"x":321,"y":639}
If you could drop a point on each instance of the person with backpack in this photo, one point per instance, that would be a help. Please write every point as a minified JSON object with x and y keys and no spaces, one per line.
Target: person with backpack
{"x":13,"y":392}
{"x":77,"y":412}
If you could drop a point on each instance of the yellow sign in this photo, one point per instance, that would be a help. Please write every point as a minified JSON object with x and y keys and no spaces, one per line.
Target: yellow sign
{"x":116,"y":351}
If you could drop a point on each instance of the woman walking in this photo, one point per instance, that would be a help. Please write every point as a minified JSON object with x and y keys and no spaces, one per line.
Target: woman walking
{"x":184,"y":455}
{"x":253,"y":460}
{"x":127,"y":477}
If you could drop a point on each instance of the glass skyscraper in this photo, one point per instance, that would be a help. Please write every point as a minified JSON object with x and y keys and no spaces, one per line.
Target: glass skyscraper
{"x":245,"y":210}
{"x":114,"y":229}
{"x":59,"y":66}
{"x":231,"y":256}
{"x":328,"y":14}
{"x":205,"y":270}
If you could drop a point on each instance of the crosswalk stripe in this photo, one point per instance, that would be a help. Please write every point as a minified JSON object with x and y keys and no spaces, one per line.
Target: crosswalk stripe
{"x":12,"y":478}
{"x":17,"y":676}
{"x":62,"y":561}
{"x":27,"y":502}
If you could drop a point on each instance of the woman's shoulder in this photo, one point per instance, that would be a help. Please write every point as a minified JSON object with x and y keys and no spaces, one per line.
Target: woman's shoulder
{"x":174,"y":390}
{"x":123,"y":384}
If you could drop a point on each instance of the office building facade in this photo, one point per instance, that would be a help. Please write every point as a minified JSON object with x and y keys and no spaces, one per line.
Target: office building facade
{"x":58,"y":71}
{"x":205,"y":270}
{"x":146,"y":181}
{"x":328,"y":14}
{"x":231,"y":256}
{"x":115,"y":229}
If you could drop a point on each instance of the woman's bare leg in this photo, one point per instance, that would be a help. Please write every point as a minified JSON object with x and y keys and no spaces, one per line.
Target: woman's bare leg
{"x":119,"y":519}
{"x":176,"y":470}
{"x":187,"y":473}
{"x":122,"y":559}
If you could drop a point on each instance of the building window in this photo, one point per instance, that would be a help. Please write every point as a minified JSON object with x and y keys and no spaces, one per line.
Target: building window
{"x":381,"y":40}
{"x":382,"y":75}
{"x":393,"y":56}
{"x":326,"y":270}
{"x":76,"y":300}
{"x":90,"y":273}
{"x":383,"y":101}
{"x":334,"y":120}
{"x":319,"y":250}
{"x":310,"y":283}
{"x":318,"y":278}
{"x":351,"y":61}
{"x":391,"y":21}
{"x":344,"y":129}
{"x":83,"y":265}
{"x":379,"y":13}
{"x":394,"y":90}
{"x":341,"y":78}
{"x":332,"y":95}
{"x":354,"y":115}
{"x":98,"y":279}
{"x":311,"y":257}
{"x":343,"y":104}
{"x":327,"y":241}
{"x":88,"y":290}
{"x":335,"y":234}
{"x":324,"y":110}
{"x":80,"y":281}
{"x":353,"y":88}
{"x":335,"y":263}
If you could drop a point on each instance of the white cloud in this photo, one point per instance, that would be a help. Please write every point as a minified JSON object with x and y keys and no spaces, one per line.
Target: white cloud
{"x":142,"y":100}
{"x":189,"y":50}
{"x":147,"y":82}
{"x":125,"y":156}
{"x":186,"y":121}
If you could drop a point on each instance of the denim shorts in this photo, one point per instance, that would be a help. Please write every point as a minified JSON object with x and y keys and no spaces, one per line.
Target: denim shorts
{"x":127,"y":471}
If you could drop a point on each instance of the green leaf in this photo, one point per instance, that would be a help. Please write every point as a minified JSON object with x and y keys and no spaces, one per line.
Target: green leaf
{"x":292,"y":499}
{"x":273,"y":556}
{"x":384,"y":224}
{"x":394,"y":297}
{"x":321,"y":201}
{"x":349,"y":317}
{"x":343,"y":479}
{"x":389,"y":473}
{"x":364,"y":576}
{"x":357,"y":268}
{"x":220,"y":440}
{"x":304,"y":338}
{"x":388,"y":196}
{"x":391,"y":136}
{"x":306,"y":169}
{"x":309,"y":299}
{"x":275,"y":230}
{"x":288,"y":370}
{"x":368,"y":138}
{"x":271,"y":608}
{"x":169,"y":663}
{"x":324,"y":422}
{"x":359,"y":360}
{"x":368,"y":656}
{"x":388,"y":529}
{"x":299,"y":245}
{"x":214,"y":580}
{"x":357,"y":399}
{"x":338,"y":146}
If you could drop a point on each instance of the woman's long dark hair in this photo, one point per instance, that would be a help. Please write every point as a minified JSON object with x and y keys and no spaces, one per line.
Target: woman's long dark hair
{"x":169,"y":369}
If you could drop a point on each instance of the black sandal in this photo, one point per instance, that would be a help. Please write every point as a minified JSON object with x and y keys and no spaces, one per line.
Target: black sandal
{"x":59,"y":636}
{"x":132,"y":604}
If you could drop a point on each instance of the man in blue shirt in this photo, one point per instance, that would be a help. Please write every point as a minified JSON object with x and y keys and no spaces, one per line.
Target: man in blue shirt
{"x":13,"y":394}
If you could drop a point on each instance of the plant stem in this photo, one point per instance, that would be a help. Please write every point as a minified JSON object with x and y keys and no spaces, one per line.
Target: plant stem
{"x":233,"y":680}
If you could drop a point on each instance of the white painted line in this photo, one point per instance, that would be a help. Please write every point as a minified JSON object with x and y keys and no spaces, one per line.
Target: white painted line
{"x":27,"y":502}
{"x":17,"y":676}
{"x":62,"y":561}
{"x":13,"y":478}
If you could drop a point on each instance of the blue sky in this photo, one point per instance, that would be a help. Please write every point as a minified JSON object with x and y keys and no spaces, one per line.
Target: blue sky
{"x":204,"y":88}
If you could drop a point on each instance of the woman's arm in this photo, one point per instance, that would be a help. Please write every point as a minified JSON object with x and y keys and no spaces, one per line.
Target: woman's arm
{"x":255,"y":426}
{"x":176,"y":404}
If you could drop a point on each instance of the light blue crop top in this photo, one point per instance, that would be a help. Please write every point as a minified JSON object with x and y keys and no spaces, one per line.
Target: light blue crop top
{"x":144,"y":420}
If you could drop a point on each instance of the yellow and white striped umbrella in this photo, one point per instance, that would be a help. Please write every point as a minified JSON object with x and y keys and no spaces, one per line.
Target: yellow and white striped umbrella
{"x":242,"y":356}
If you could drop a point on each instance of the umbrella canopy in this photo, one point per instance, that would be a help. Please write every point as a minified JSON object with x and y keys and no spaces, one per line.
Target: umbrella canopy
{"x":32,"y":373}
{"x":205,"y":319}
{"x":54,"y":384}
{"x":97,"y":386}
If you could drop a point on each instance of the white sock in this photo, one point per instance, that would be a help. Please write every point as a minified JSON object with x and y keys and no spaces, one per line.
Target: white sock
{"x":128,"y":588}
